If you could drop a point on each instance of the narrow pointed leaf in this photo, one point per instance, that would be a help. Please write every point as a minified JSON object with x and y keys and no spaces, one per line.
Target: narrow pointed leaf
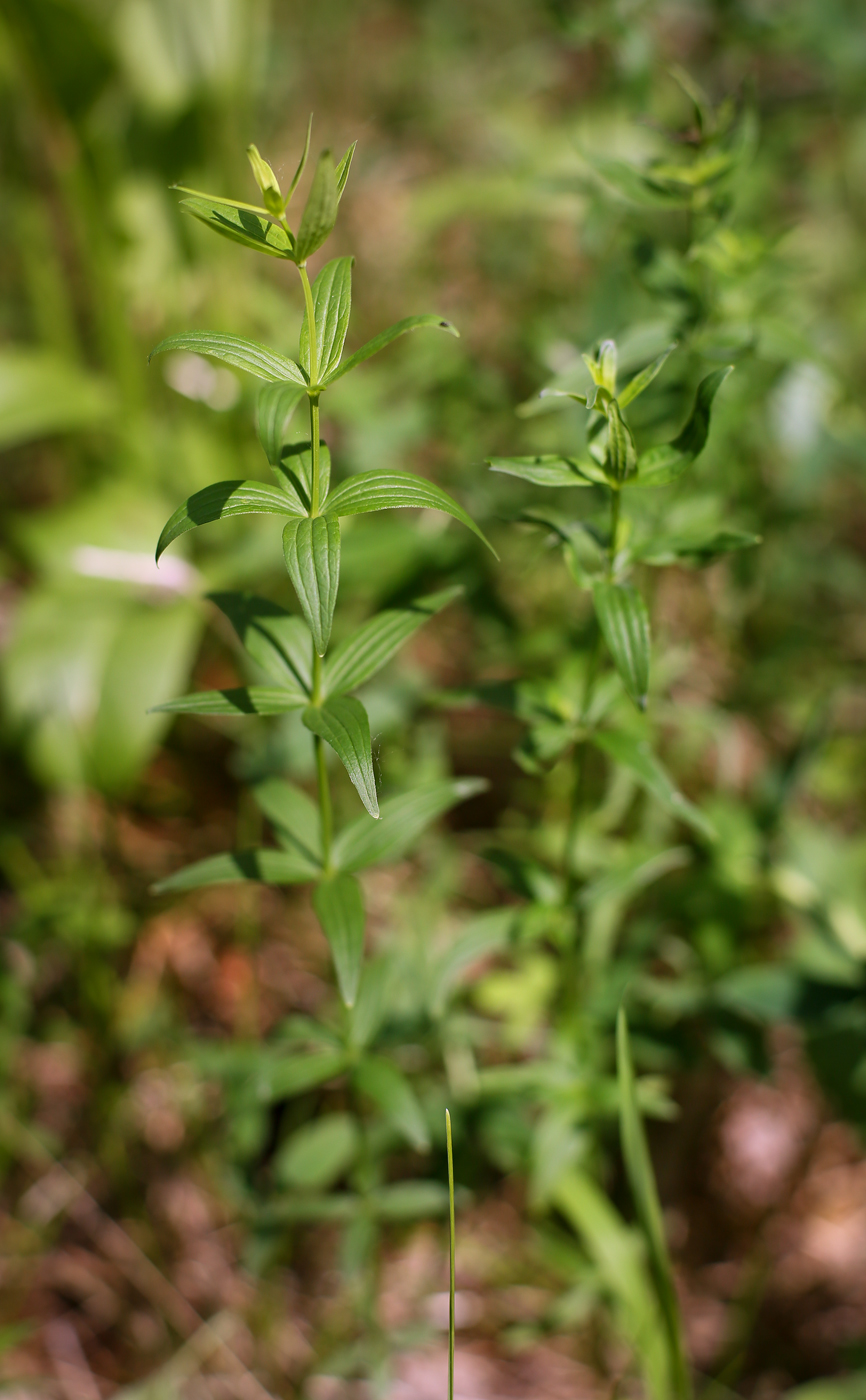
{"x":296,"y":178}
{"x":268,"y":867}
{"x":294,"y":472}
{"x":218,"y":502}
{"x":343,"y":168}
{"x":641,"y":1180}
{"x":277,"y":641}
{"x":342,"y":722}
{"x":384,"y":338}
{"x":293,"y":814}
{"x":320,"y":211}
{"x":391,"y":1091}
{"x":660,"y":465}
{"x":621,"y":452}
{"x":312,"y":553}
{"x":340,"y":909}
{"x":368,"y":649}
{"x":276,"y":404}
{"x":232,"y":350}
{"x":242,"y":700}
{"x":332,"y":303}
{"x":241,"y":223}
{"x":545,"y":470}
{"x":624,"y":622}
{"x":636,"y":755}
{"x":402,"y":819}
{"x":368,"y":491}
{"x":698,"y":549}
{"x":643,"y":380}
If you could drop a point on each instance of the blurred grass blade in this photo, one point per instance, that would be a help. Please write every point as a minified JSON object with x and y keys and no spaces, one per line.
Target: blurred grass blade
{"x":293,"y":815}
{"x":342,"y":722}
{"x":643,"y":1189}
{"x":243,"y":700}
{"x":241,"y":223}
{"x":378,"y":490}
{"x":269,"y":867}
{"x":401,"y":821}
{"x":276,"y":404}
{"x":636,"y":755}
{"x":312,"y":553}
{"x":391,"y":1091}
{"x":660,"y":465}
{"x":218,"y":502}
{"x":332,"y":304}
{"x":624,"y":623}
{"x":384,"y":338}
{"x":545,"y":470}
{"x":320,"y":211}
{"x":374,"y":643}
{"x":233,"y":350}
{"x":340,"y":910}
{"x":643,"y":380}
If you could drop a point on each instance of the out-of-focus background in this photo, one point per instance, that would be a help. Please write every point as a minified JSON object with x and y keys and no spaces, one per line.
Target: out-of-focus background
{"x":169,"y":1226}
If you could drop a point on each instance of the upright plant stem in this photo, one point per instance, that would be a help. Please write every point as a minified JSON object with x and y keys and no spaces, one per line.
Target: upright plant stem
{"x":325,"y":813}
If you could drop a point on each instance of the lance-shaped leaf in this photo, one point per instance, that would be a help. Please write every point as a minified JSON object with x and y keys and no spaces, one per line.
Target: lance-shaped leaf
{"x":276,"y":640}
{"x":294,"y":816}
{"x":268,"y":867}
{"x":232,"y":350}
{"x":290,"y":1075}
{"x":367,"y":491}
{"x":624,"y":623}
{"x":644,"y":379}
{"x":219,"y":501}
{"x":641,"y":1179}
{"x":343,"y":168}
{"x":276,"y":404}
{"x":697,"y":549}
{"x":342,"y":722}
{"x":340,"y":909}
{"x":294,"y":472}
{"x":332,"y":303}
{"x":621,"y":451}
{"x":296,"y":178}
{"x":636,"y":755}
{"x":401,"y":821}
{"x":242,"y":700}
{"x":320,"y":211}
{"x":367,"y":650}
{"x":660,"y":465}
{"x":242,"y":223}
{"x":312,"y":552}
{"x":545,"y":470}
{"x":379,"y":342}
{"x":391,"y":1091}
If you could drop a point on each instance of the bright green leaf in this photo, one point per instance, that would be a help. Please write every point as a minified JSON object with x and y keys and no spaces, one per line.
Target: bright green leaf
{"x":290,"y":1075}
{"x":241,"y":223}
{"x":266,"y":181}
{"x":232,"y":350}
{"x":221,"y":500}
{"x":402,"y":819}
{"x":276,"y":404}
{"x":376,"y":490}
{"x":384,"y":338}
{"x":545,"y":470}
{"x":376,"y":641}
{"x":332,"y":304}
{"x":342,"y":722}
{"x":312,"y":553}
{"x":343,"y":168}
{"x":621,"y":451}
{"x":243,"y":700}
{"x":624,"y":622}
{"x":391,"y":1091}
{"x":643,"y":380}
{"x":318,"y":1153}
{"x":320,"y":211}
{"x":40,"y":393}
{"x":698,"y":549}
{"x":294,"y":471}
{"x":340,"y":909}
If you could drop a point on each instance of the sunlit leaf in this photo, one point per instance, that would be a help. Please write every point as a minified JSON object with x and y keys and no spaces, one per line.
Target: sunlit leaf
{"x":320,"y":211}
{"x":402,"y":819}
{"x":293,"y":814}
{"x":624,"y":622}
{"x":340,"y":909}
{"x":278,"y":641}
{"x":368,"y":649}
{"x":269,"y":867}
{"x":332,"y":304}
{"x":221,"y":500}
{"x":241,"y":223}
{"x":342,"y":722}
{"x":232,"y":350}
{"x":312,"y":552}
{"x":384,"y":338}
{"x":243,"y":700}
{"x":276,"y":405}
{"x":377,"y":490}
{"x":41,"y":393}
{"x":544,"y":470}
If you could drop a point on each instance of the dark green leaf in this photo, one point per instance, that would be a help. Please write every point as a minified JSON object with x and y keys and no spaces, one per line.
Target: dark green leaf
{"x":295,"y":472}
{"x":340,"y":909}
{"x":643,"y":380}
{"x":243,"y":700}
{"x":700,"y":549}
{"x":391,"y":1091}
{"x":332,"y":303}
{"x":241,"y":223}
{"x":623,"y":619}
{"x":312,"y":553}
{"x":277,"y":402}
{"x":277,"y":641}
{"x":379,"y":342}
{"x":660,"y":465}
{"x":545,"y":470}
{"x":342,"y":722}
{"x":294,"y":816}
{"x":270,"y":867}
{"x":643,"y":1189}
{"x":367,"y":491}
{"x":638,"y":757}
{"x":374,"y":643}
{"x":320,"y":211}
{"x":221,"y":500}
{"x":343,"y":168}
{"x":401,"y":821}
{"x":232,"y":350}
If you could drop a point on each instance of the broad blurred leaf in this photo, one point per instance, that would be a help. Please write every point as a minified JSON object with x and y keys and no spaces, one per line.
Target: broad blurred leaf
{"x":241,"y":224}
{"x":312,"y":552}
{"x":221,"y":500}
{"x":269,"y":867}
{"x":320,"y":211}
{"x":40,"y":393}
{"x":638,"y":757}
{"x":294,"y":815}
{"x":623,"y":619}
{"x":391,"y":1091}
{"x":332,"y":303}
{"x":545,"y":470}
{"x":699,"y":549}
{"x":376,"y":490}
{"x":243,"y":700}
{"x":318,"y":1153}
{"x":340,"y":909}
{"x":401,"y":821}
{"x":367,"y":650}
{"x":660,"y":465}
{"x":342,"y":722}
{"x":384,"y":338}
{"x":232,"y":350}
{"x":289,"y":1075}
